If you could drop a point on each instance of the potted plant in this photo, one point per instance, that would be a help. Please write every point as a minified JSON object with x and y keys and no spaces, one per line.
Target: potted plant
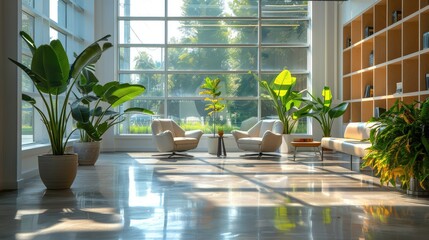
{"x":54,"y":79}
{"x":94,"y":111}
{"x":400,"y":146}
{"x":214,"y":105}
{"x":286,"y":102}
{"x":323,"y":112}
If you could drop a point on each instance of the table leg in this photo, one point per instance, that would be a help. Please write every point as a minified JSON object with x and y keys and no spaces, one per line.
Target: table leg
{"x":294,"y":153}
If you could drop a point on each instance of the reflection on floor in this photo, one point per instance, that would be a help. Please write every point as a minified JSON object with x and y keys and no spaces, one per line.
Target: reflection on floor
{"x":135,"y":196}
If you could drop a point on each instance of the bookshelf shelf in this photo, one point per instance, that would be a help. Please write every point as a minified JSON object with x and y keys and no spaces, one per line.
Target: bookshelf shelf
{"x":384,"y":49}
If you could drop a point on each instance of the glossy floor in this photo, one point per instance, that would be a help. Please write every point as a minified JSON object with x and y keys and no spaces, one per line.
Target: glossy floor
{"x":135,"y":196}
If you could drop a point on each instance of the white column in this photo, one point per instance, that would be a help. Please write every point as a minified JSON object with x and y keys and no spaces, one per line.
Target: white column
{"x":10,"y":99}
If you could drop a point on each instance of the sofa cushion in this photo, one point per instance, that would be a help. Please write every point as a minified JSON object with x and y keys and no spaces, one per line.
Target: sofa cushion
{"x":358,"y":130}
{"x":346,"y":145}
{"x":185,"y":143}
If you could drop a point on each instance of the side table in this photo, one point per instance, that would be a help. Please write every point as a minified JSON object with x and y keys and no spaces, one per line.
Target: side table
{"x":314,"y":144}
{"x":221,"y":147}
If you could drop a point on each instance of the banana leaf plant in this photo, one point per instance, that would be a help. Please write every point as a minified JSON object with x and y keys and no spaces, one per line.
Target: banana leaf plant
{"x":400,"y":144}
{"x":285,"y":99}
{"x":323,"y":112}
{"x":94,"y":111}
{"x":214,"y":104}
{"x":54,"y":79}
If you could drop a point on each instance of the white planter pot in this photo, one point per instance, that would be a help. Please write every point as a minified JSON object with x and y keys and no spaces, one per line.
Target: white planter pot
{"x":212,"y":145}
{"x":87,"y":152}
{"x":286,"y":146}
{"x":58,"y":171}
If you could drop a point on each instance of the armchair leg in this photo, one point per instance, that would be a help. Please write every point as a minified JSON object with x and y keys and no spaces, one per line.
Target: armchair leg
{"x":170,"y":155}
{"x":259,"y":155}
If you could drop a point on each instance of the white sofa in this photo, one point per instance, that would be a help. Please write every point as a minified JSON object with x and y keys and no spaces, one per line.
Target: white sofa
{"x":355,"y":140}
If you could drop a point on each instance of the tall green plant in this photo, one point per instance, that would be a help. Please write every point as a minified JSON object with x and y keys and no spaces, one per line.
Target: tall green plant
{"x":94,"y":111}
{"x":285,"y":99}
{"x":400,"y":144}
{"x":54,"y":79}
{"x":214,"y":101}
{"x":323,"y":112}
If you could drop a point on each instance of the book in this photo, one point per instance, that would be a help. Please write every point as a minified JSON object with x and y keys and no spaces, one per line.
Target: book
{"x":378,"y":111}
{"x":368,"y":91}
{"x":427,"y":81}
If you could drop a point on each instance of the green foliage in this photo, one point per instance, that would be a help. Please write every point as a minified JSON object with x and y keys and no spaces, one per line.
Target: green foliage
{"x":323,"y":113}
{"x":52,"y":76}
{"x":93,"y":111}
{"x":26,"y":130}
{"x":214,"y":101}
{"x":286,"y":101}
{"x":141,"y":129}
{"x":400,"y":148}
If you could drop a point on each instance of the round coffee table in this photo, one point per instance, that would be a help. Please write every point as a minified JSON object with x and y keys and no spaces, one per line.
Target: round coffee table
{"x":313,"y":144}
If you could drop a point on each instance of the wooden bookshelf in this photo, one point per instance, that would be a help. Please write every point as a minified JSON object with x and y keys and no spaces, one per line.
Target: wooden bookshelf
{"x":383,"y":47}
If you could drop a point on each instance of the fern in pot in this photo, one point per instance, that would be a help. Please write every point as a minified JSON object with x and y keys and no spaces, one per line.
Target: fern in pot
{"x":400,"y":147}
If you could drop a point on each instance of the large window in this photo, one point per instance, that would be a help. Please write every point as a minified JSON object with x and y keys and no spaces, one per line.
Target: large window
{"x":45,"y":20}
{"x":171,"y":46}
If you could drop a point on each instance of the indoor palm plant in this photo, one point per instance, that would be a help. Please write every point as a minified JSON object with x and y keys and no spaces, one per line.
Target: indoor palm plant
{"x":94,"y":111}
{"x":323,"y":112}
{"x":54,"y":79}
{"x":286,"y":102}
{"x":400,"y":146}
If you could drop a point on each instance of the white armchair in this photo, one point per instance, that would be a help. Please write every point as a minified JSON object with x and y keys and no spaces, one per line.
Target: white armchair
{"x":170,"y":137}
{"x":265,"y":136}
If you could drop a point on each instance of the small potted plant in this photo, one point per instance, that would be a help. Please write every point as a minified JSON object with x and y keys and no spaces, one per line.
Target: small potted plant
{"x":400,"y":147}
{"x":94,"y":111}
{"x":54,"y":78}
{"x":214,"y":105}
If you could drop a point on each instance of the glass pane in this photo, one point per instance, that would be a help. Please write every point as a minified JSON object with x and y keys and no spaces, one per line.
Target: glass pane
{"x":79,"y":20}
{"x":58,"y":11}
{"x":189,"y":114}
{"x":27,"y":115}
{"x":213,"y":32}
{"x":28,"y":27}
{"x":140,"y":8}
{"x":217,"y":8}
{"x":242,"y":114}
{"x":27,"y":83}
{"x":288,"y":9}
{"x":139,"y":58}
{"x":29,"y":3}
{"x":54,"y":34}
{"x":154,"y":83}
{"x":232,"y":85}
{"x":140,"y":123}
{"x":28,"y":24}
{"x":212,"y":58}
{"x":141,"y":32}
{"x":281,"y":31}
{"x":293,"y":58}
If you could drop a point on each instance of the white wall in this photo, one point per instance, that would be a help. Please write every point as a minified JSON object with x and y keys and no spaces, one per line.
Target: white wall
{"x":352,"y":8}
{"x":10,"y":108}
